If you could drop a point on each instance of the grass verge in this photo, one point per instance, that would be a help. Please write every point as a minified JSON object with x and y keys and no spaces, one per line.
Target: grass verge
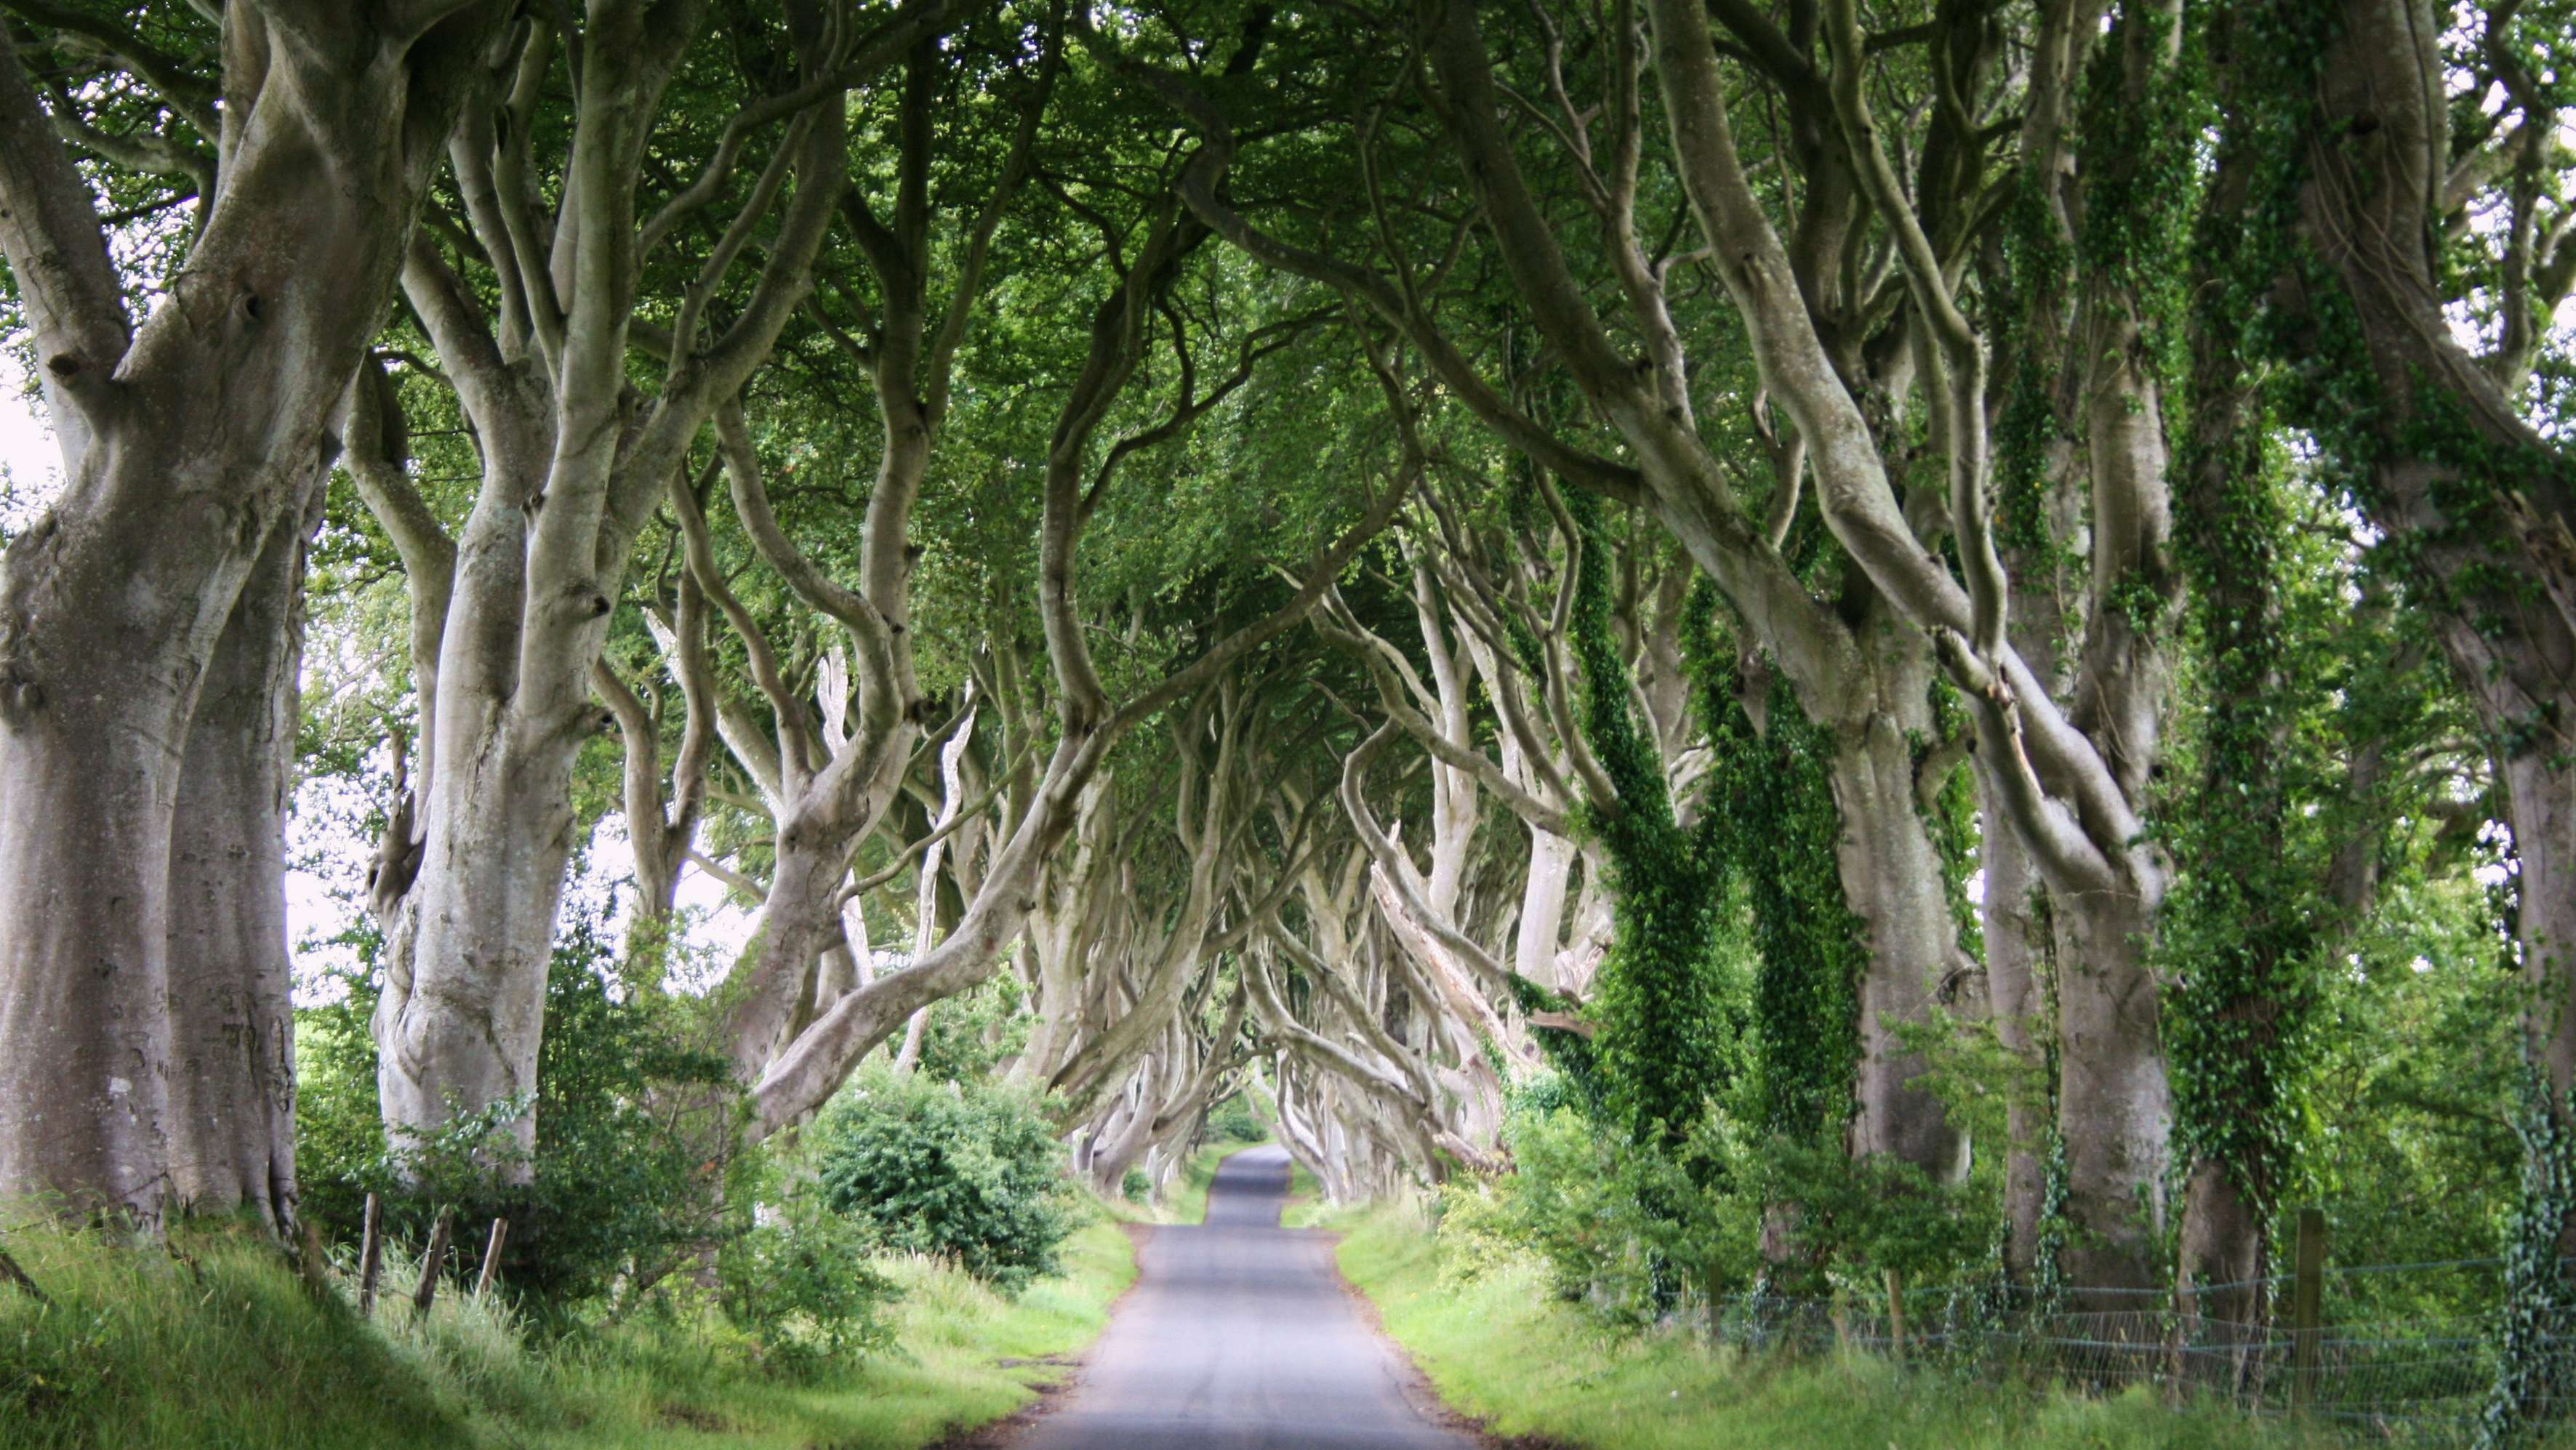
{"x":1305,"y":1207}
{"x":226,"y":1350}
{"x":1503,"y":1349}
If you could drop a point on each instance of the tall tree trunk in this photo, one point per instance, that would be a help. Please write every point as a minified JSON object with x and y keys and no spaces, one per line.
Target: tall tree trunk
{"x":2457,"y":475}
{"x":1893,"y":880}
{"x":232,"y":1011}
{"x":2112,"y":1098}
{"x":184,"y":451}
{"x":2017,"y":938}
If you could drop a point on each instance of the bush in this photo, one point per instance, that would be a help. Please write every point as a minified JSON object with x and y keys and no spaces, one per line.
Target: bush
{"x":1135,"y":1186}
{"x":802,"y":1286}
{"x":1616,"y":1224}
{"x":1236,"y":1121}
{"x":633,"y":1139}
{"x":960,"y":1171}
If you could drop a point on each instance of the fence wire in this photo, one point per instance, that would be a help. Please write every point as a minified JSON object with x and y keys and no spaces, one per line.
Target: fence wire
{"x":2423,"y":1378}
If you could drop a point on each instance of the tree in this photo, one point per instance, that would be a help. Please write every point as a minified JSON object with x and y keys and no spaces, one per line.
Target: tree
{"x":193,"y":443}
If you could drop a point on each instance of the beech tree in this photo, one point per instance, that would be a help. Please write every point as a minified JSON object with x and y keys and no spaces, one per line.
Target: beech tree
{"x":144,"y":839}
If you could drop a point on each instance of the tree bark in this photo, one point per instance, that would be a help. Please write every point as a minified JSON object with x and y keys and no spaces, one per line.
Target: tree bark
{"x":232,"y":1011}
{"x":2018,"y":942}
{"x":184,"y":451}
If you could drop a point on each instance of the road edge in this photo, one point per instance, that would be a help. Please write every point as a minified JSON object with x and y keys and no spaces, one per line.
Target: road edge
{"x":1417,"y":1386}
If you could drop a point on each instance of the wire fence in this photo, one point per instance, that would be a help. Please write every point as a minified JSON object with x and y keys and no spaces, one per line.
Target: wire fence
{"x":2420,"y":1377}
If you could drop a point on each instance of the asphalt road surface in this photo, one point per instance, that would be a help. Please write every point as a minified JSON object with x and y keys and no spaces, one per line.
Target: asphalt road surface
{"x":1238,"y":1336}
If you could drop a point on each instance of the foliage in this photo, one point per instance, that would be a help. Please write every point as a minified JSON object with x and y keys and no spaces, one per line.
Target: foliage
{"x":1777,"y":825}
{"x":1610,"y":1218}
{"x":964,"y":1171}
{"x":633,"y":1134}
{"x":1668,"y":1001}
{"x":1237,"y":1120}
{"x":2536,"y":1350}
{"x":219,"y":1345}
{"x":972,"y":1031}
{"x":801,"y":1283}
{"x":1502,"y":1348}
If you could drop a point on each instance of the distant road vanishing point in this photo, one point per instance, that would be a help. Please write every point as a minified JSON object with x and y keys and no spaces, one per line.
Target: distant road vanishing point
{"x":1238,"y":1336}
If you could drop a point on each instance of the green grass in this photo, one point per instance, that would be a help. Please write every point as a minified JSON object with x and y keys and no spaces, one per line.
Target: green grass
{"x":1501,"y":1348}
{"x":1306,"y":1207}
{"x":228,"y":1351}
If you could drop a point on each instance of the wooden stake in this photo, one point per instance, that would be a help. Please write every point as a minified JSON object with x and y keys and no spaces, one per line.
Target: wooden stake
{"x":1896,"y":1316}
{"x":492,"y":1257}
{"x":2307,"y":1309}
{"x":429,"y":1263}
{"x":311,"y":1264}
{"x":371,"y":1256}
{"x":11,"y":1274}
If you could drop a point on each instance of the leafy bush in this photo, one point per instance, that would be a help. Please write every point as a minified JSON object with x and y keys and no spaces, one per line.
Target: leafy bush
{"x":1236,"y":1120}
{"x":1135,"y":1186}
{"x":632,"y":1152}
{"x":1619,"y":1225}
{"x":1614,"y":1222}
{"x":957,"y":1170}
{"x":802,"y":1285}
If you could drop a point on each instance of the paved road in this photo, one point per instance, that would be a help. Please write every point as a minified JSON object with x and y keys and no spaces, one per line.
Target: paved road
{"x":1237,"y":1336}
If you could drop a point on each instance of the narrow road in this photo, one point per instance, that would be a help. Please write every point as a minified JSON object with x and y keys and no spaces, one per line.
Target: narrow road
{"x":1238,"y":1336}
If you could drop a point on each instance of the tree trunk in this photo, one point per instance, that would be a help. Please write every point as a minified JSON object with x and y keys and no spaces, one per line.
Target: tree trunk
{"x":1892,"y":879}
{"x":2017,"y":938}
{"x":2541,"y":808}
{"x":2111,"y":1094}
{"x":464,"y":1001}
{"x":183,"y":452}
{"x":1542,"y":919}
{"x":232,"y":1011}
{"x":87,"y":781}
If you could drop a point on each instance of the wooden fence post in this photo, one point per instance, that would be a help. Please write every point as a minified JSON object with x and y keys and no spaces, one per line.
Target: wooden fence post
{"x":11,"y":1274}
{"x":310,"y":1263}
{"x":2307,"y":1309}
{"x":429,"y":1263}
{"x":492,"y":1257}
{"x":1896,"y":1316}
{"x":371,"y":1256}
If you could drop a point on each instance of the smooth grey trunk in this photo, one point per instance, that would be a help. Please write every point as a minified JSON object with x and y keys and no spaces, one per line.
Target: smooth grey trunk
{"x":232,"y":1010}
{"x":2112,"y":1100}
{"x":1893,"y":879}
{"x":186,"y":442}
{"x":2018,"y":942}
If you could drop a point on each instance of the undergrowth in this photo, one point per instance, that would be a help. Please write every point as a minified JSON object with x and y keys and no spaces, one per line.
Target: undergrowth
{"x":1499,"y":1345}
{"x":218,"y":1344}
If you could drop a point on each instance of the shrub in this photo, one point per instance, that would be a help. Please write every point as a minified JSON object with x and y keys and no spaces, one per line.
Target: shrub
{"x":961,"y":1171}
{"x":1617,"y":1224}
{"x":1236,"y":1121}
{"x":633,"y":1139}
{"x":1135,"y":1186}
{"x":803,"y":1286}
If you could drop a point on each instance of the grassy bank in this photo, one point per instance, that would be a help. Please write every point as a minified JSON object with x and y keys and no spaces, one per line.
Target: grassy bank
{"x":1501,"y":1348}
{"x":227,"y":1350}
